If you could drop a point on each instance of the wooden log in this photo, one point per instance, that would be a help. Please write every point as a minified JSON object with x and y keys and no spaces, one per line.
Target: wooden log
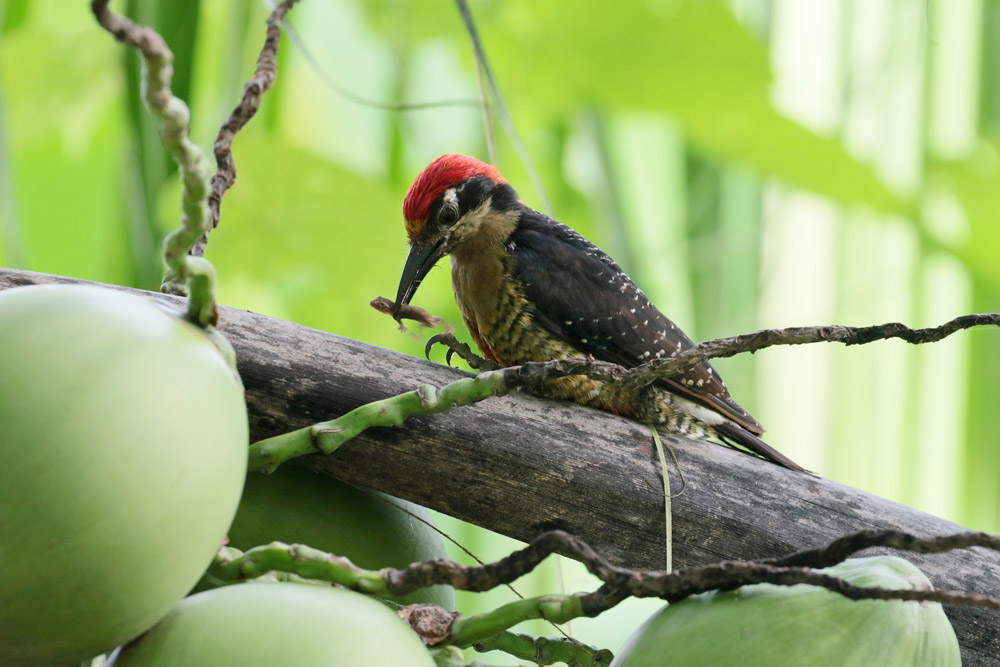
{"x":519,"y":465}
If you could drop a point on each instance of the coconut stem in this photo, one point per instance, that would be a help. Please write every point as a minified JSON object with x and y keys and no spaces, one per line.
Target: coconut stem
{"x":326,"y":437}
{"x":231,"y":565}
{"x":194,"y":276}
{"x":468,"y":630}
{"x":546,"y":650}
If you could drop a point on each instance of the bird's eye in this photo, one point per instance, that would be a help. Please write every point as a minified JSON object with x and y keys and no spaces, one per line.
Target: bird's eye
{"x":447,"y":216}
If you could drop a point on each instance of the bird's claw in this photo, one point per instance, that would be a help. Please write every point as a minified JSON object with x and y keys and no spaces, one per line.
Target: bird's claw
{"x":445,"y":338}
{"x":456,"y":346}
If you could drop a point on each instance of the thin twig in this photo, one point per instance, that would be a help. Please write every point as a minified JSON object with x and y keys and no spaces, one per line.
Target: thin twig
{"x":843,"y":547}
{"x":727,"y":576}
{"x":348,"y":94}
{"x":457,"y":544}
{"x":536,"y":373}
{"x":619,"y":583}
{"x":672,"y":586}
{"x":505,"y":118}
{"x":482,"y":80}
{"x":635,"y":378}
{"x":262,"y":81}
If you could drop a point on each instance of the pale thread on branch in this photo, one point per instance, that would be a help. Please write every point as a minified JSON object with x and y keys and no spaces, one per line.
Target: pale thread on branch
{"x":618,"y":584}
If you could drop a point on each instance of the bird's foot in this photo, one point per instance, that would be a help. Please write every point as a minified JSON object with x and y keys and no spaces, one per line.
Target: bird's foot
{"x":463,"y":350}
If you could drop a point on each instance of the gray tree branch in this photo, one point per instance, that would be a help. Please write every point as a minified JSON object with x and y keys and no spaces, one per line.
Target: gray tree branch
{"x":520,"y":465}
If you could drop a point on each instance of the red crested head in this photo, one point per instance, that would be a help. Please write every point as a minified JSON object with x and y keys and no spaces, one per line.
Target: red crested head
{"x":441,"y":174}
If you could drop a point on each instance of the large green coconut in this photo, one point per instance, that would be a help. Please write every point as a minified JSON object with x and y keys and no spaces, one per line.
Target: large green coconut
{"x":123,"y":448}
{"x":776,"y":626}
{"x":278,"y":624}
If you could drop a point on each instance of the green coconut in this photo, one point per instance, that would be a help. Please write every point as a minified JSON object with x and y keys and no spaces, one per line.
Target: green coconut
{"x":277,"y":624}
{"x":773,"y":626}
{"x":374,"y":530}
{"x":123,"y":449}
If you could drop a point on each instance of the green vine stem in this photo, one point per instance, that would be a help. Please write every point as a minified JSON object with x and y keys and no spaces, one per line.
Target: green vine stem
{"x":546,"y":650}
{"x":299,"y":562}
{"x":448,"y":656}
{"x":230,"y":566}
{"x":194,"y":276}
{"x":452,"y":656}
{"x":469,"y":630}
{"x":439,"y":627}
{"x":326,"y":437}
{"x":209,"y":580}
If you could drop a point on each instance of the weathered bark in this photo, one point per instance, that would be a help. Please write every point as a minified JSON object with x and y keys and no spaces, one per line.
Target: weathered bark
{"x":519,"y":465}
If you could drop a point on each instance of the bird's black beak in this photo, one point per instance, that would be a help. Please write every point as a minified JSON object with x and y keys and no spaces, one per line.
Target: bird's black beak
{"x":418,"y":263}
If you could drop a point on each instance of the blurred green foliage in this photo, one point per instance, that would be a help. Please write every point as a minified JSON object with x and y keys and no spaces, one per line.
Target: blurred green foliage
{"x":750,"y":164}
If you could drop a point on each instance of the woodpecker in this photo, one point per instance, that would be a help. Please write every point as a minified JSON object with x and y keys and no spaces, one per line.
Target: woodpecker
{"x":532,"y":289}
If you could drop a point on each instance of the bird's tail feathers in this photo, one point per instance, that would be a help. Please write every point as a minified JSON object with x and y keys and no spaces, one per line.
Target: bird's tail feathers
{"x":733,"y":434}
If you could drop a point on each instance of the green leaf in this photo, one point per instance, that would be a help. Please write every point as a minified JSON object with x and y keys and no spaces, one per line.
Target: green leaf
{"x":64,"y":145}
{"x":690,"y":59}
{"x":974,"y":182}
{"x":422,"y":20}
{"x":13,"y":14}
